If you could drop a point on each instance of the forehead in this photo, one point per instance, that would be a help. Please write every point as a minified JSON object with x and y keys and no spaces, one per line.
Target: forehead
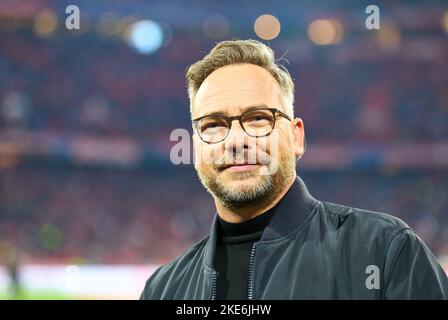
{"x":232,"y":89}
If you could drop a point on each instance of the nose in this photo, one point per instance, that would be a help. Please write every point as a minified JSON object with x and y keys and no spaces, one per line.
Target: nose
{"x":237,"y":140}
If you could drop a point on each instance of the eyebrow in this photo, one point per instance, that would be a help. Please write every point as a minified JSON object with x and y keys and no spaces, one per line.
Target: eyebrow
{"x":220,"y":113}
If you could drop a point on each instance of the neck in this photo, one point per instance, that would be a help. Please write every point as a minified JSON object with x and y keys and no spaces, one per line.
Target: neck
{"x":239,"y":215}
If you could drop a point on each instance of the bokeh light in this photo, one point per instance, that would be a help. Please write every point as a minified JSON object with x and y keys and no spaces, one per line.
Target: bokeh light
{"x":388,"y":36}
{"x":267,"y":27}
{"x":325,"y":32}
{"x":109,"y":24}
{"x":145,"y":36}
{"x":45,"y":23}
{"x":445,"y":22}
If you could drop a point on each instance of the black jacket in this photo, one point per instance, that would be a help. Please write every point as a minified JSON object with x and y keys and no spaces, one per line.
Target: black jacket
{"x":315,"y":250}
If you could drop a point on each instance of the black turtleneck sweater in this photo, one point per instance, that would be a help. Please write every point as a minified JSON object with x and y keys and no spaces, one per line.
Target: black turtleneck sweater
{"x":234,"y":245}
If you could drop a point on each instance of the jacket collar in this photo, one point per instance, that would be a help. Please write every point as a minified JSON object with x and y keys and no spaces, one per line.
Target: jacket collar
{"x":289,"y":214}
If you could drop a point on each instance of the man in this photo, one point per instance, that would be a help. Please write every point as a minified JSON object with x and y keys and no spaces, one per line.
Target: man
{"x":270,"y":238}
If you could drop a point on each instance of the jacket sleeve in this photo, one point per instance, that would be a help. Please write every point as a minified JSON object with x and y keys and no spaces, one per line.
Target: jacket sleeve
{"x":411,"y":270}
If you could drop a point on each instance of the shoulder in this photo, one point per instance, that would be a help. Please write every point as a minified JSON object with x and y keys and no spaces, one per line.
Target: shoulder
{"x":167,"y":275}
{"x":410,"y":270}
{"x":361,"y":218}
{"x":363,"y":226}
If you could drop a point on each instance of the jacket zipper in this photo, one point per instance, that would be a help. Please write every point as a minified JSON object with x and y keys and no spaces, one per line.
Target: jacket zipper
{"x":250,"y":287}
{"x":213,"y":285}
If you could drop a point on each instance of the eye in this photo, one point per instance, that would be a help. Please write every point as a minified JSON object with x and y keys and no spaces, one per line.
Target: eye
{"x":258,"y":118}
{"x":212,"y":124}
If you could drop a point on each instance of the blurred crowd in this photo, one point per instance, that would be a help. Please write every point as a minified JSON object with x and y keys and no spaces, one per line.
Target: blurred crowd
{"x":100,"y":216}
{"x":151,"y":216}
{"x":91,"y":85}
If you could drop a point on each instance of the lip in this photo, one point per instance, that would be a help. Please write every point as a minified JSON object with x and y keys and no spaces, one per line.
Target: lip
{"x":241,"y":167}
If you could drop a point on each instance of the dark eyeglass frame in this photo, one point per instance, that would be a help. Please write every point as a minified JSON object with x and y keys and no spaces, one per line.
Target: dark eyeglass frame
{"x":229,"y":121}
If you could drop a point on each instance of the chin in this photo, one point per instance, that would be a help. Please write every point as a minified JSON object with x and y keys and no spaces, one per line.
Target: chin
{"x":245,"y":183}
{"x":240,"y":178}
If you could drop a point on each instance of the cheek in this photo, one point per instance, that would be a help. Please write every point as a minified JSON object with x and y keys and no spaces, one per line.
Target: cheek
{"x":279,"y":142}
{"x":287,"y":144}
{"x":205,"y":154}
{"x":197,"y":149}
{"x":287,"y":152}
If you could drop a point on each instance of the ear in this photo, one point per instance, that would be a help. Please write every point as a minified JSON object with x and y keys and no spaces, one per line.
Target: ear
{"x":299,"y":142}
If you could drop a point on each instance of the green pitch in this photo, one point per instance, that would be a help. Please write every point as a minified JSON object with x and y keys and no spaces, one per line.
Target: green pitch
{"x":36,"y":295}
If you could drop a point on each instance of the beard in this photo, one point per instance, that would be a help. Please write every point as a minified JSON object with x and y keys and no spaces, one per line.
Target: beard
{"x":246,"y":189}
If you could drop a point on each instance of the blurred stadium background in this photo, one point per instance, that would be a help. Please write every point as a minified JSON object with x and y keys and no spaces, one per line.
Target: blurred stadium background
{"x":90,"y":203}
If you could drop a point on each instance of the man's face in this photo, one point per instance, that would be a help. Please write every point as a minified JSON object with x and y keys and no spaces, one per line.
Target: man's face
{"x":232,"y":90}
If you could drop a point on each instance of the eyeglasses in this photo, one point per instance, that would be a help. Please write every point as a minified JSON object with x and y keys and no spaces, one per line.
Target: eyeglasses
{"x":256,"y":123}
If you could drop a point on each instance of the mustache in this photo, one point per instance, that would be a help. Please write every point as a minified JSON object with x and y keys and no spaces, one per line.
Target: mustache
{"x":239,"y":158}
